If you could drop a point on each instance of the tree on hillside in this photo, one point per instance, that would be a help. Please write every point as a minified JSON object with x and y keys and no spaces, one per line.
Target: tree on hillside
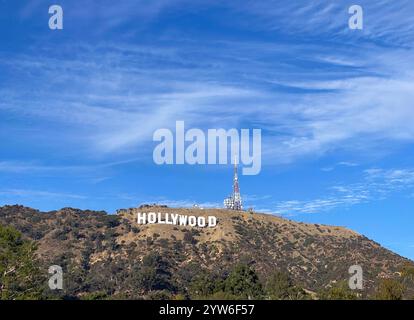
{"x":280,"y":286}
{"x":407,"y":278}
{"x":154,"y":274}
{"x":390,"y":289}
{"x":244,"y":283}
{"x":407,"y":272}
{"x":205,"y":285}
{"x":339,"y":291}
{"x":20,"y":276}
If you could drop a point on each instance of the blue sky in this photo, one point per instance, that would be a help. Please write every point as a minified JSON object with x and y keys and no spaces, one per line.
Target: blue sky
{"x":78,"y":106}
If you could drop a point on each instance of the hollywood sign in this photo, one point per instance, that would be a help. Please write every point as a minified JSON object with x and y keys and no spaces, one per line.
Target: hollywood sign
{"x":176,"y":219}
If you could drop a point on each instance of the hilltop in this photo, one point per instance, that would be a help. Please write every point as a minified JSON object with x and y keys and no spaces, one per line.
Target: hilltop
{"x":109,"y":254}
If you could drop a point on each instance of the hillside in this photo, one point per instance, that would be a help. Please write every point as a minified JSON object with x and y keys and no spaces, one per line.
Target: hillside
{"x":109,"y":254}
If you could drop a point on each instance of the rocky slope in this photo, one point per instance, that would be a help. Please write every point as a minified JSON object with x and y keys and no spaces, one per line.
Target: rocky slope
{"x":104,"y":253}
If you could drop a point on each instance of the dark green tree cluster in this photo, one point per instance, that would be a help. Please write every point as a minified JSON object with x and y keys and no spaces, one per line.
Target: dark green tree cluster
{"x":243,"y":283}
{"x":20,"y":276}
{"x":407,"y":274}
{"x":339,"y":291}
{"x":399,"y":287}
{"x":281,"y":287}
{"x":390,"y":289}
{"x":153,"y":277}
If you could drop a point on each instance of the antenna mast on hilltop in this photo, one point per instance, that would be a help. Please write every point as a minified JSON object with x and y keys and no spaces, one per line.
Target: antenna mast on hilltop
{"x":234,"y":202}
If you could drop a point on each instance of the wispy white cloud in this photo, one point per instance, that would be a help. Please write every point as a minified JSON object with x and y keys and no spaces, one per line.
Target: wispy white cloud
{"x":293,"y":207}
{"x":124,"y":105}
{"x":340,"y":164}
{"x":254,"y":197}
{"x":385,"y":20}
{"x":376,"y":184}
{"x":188,"y":203}
{"x":310,"y":99}
{"x":347,"y":164}
{"x":28,"y":167}
{"x":106,"y":14}
{"x":174,"y":203}
{"x":127,"y":101}
{"x":33,"y":194}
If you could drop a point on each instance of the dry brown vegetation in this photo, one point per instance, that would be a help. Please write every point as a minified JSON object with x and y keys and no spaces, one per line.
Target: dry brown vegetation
{"x":105,"y":253}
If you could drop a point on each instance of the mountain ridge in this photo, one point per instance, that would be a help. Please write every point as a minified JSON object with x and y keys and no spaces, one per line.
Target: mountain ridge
{"x":93,"y":244}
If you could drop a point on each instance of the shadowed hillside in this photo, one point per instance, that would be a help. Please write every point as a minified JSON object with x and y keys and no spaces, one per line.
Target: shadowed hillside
{"x":112,"y":256}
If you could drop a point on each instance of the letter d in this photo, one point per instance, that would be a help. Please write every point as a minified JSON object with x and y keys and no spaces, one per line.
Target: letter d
{"x":212,"y":221}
